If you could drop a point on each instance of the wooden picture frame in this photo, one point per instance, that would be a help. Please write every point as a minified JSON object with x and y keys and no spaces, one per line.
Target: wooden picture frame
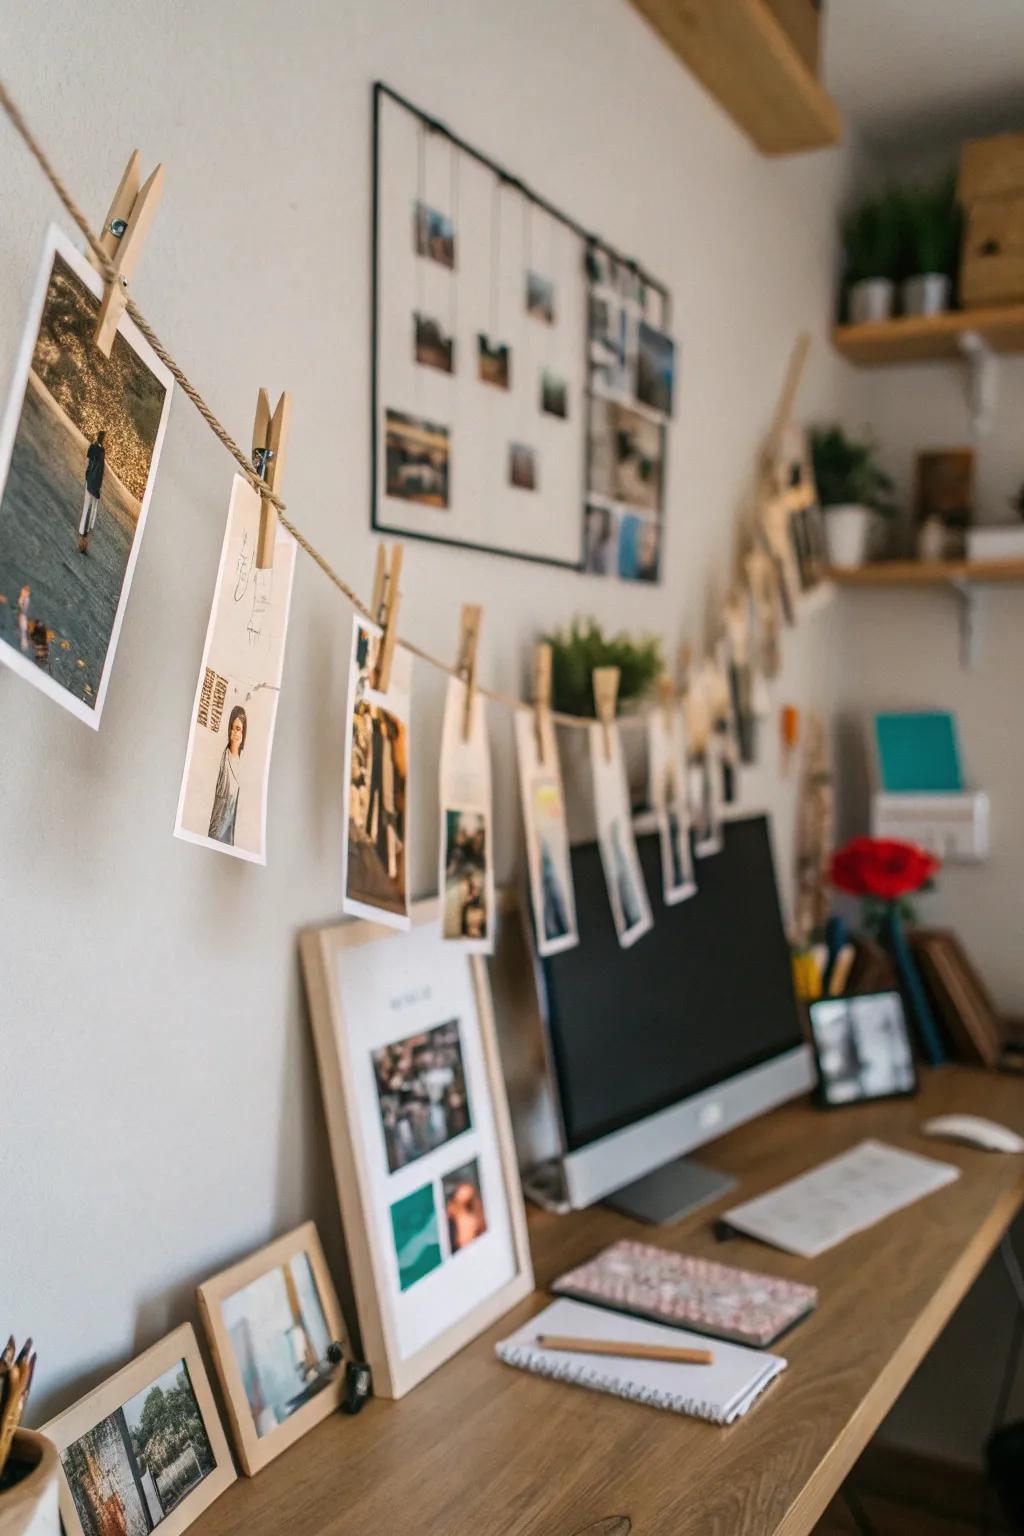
{"x":100,"y":1417}
{"x":255,"y":1447}
{"x":377,"y":998}
{"x":973,"y":1022}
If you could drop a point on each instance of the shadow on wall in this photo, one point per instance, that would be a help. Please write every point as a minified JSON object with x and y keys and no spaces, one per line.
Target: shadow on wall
{"x":853,"y":776}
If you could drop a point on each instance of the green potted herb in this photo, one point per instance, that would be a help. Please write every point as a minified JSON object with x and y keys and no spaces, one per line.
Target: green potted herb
{"x":872,"y":233}
{"x":854,"y":492}
{"x":932,"y":228}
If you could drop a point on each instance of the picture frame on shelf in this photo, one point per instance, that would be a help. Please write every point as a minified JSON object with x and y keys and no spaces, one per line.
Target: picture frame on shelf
{"x":270,"y":1321}
{"x":421,"y":1140}
{"x":146,"y":1448}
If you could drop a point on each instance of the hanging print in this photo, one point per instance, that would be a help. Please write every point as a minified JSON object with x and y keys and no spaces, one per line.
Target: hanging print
{"x":547,"y":833}
{"x":669,"y":799}
{"x":223,"y":799}
{"x":626,"y":890}
{"x":466,"y":875}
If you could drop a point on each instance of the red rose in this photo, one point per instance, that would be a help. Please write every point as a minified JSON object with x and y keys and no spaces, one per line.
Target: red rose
{"x":882,"y":868}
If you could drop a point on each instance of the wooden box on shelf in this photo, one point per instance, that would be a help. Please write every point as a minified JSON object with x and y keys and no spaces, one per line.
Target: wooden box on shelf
{"x":991,"y":189}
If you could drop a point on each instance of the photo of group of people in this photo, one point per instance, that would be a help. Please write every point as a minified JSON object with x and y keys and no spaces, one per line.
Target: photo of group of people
{"x":436,"y":1222}
{"x":133,"y":1468}
{"x":632,"y":377}
{"x":79,"y":451}
{"x":465,"y":914}
{"x":376,"y":777}
{"x":222,"y":803}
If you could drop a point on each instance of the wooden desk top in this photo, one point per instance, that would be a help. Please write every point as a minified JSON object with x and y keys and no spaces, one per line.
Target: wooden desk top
{"x":481,"y":1449}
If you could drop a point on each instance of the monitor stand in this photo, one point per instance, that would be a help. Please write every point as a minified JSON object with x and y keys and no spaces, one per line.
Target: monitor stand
{"x":670,"y":1192}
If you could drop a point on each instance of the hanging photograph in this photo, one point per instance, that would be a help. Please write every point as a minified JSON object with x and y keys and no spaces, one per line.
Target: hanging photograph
{"x":376,"y":827}
{"x":552,"y":898}
{"x":222,"y":803}
{"x":600,"y":541}
{"x":668,"y":794}
{"x":79,"y":450}
{"x":704,"y":773}
{"x":416,"y":455}
{"x":420,"y":1138}
{"x":494,"y":362}
{"x":466,"y":875}
{"x":433,"y":235}
{"x":145,"y":1449}
{"x":737,"y":656}
{"x":724,"y":725}
{"x":554,"y":395}
{"x":767,"y":610}
{"x":270,"y":1321}
{"x":522,"y":466}
{"x":432,"y":346}
{"x":627,"y":455}
{"x":612,"y":331}
{"x":655,"y":368}
{"x":540,"y":298}
{"x":639,"y":547}
{"x":624,"y":878}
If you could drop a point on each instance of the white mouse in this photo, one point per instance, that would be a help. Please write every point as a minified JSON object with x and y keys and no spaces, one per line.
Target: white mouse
{"x":975,"y":1131}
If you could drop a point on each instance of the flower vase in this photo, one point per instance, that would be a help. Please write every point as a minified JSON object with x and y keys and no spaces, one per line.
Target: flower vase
{"x":914,"y":996}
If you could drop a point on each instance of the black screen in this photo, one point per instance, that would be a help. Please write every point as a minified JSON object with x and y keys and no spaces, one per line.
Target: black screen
{"x":705,"y":994}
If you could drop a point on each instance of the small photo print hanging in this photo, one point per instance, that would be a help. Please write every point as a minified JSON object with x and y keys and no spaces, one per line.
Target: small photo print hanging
{"x":224,"y":787}
{"x":79,"y":449}
{"x":668,"y":794}
{"x":547,"y":833}
{"x":627,"y":893}
{"x":703,"y":766}
{"x":376,"y":828}
{"x":466,"y":875}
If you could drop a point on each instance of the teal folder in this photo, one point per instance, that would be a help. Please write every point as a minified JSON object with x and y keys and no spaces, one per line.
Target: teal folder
{"x":918,"y":753}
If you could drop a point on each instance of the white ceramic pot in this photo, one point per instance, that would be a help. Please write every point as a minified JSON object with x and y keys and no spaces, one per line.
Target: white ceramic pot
{"x":871,"y":299}
{"x":927,"y":294}
{"x":29,"y":1507}
{"x":848,"y":534}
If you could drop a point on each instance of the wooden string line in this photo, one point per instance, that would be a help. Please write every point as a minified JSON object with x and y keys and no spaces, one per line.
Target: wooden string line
{"x":111,"y":275}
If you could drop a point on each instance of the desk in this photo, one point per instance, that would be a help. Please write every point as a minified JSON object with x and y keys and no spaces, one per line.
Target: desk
{"x":482,"y":1450}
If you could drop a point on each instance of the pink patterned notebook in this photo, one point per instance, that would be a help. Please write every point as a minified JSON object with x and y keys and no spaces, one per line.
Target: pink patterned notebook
{"x":693,"y":1293}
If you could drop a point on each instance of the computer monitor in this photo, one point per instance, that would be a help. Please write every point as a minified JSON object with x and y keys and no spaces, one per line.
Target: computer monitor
{"x":659,"y":1048}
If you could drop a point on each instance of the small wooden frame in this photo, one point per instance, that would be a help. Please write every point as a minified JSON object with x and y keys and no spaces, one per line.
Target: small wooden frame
{"x":373,"y":995}
{"x":107,"y":1443}
{"x":606,"y":693}
{"x":269,"y":445}
{"x":257,"y":1447}
{"x":465,"y":666}
{"x":386,"y":598}
{"x":541,"y":693}
{"x":127,"y":225}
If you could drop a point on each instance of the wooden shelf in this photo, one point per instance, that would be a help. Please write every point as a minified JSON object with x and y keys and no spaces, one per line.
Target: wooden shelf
{"x":928,"y":573}
{"x":742,"y":54}
{"x":923,"y":338}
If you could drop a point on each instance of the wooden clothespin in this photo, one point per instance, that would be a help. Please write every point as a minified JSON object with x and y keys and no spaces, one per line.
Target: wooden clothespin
{"x":606,"y":693}
{"x":541,"y":693}
{"x":465,"y":666}
{"x":667,"y":698}
{"x":131,"y":214}
{"x":386,"y":598}
{"x":269,"y":442}
{"x":683,"y":665}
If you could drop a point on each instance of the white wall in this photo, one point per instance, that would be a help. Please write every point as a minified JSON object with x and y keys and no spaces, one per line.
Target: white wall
{"x":160,"y":1113}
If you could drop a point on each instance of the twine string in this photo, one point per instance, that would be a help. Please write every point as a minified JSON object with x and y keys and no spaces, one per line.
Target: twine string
{"x":109,"y":272}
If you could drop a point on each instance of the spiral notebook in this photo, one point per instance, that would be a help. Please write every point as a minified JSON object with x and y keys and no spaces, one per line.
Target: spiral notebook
{"x":720,"y":1393}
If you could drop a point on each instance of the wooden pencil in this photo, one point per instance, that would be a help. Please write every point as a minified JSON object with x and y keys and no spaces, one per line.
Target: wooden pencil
{"x":677,"y":1355}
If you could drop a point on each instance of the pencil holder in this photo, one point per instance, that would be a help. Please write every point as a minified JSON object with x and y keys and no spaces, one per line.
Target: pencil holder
{"x":28,"y":1494}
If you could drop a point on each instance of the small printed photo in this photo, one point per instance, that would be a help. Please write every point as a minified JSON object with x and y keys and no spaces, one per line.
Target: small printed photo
{"x":433,"y":235}
{"x":279,"y":1336}
{"x":862,"y":1047}
{"x":655,"y":368}
{"x":522,"y":466}
{"x":627,"y":455}
{"x":639,"y":548}
{"x":540,"y":298}
{"x":610,"y":332}
{"x":131,"y":1470}
{"x":421,"y":1088}
{"x":378,"y":778}
{"x":548,"y":826}
{"x":82,"y":437}
{"x":494,"y":362}
{"x":431,"y":346}
{"x":600,"y":541}
{"x":554,"y":395}
{"x":465,"y":876}
{"x":463,"y":1205}
{"x":416,"y":1236}
{"x":416,"y":457}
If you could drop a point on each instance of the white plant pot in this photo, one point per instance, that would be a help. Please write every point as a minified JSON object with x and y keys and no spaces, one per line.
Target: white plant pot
{"x":29,"y":1507}
{"x":871,"y":299}
{"x":927,"y":294}
{"x":848,"y":535}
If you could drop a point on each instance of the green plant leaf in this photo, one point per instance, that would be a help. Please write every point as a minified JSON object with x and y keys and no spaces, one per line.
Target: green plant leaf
{"x":575,"y":653}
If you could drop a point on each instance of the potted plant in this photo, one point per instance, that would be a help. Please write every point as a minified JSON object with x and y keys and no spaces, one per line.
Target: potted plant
{"x":872,"y":236}
{"x":931,"y":245}
{"x":575,"y":652}
{"x":853,"y":491}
